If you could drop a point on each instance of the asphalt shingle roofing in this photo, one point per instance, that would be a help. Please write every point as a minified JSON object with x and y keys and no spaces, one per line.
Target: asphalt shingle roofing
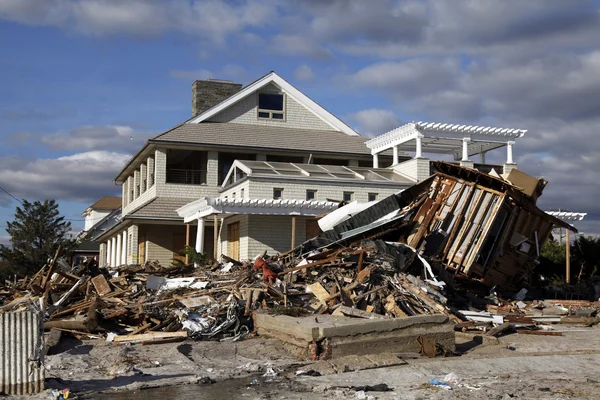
{"x":265,"y":137}
{"x":160,"y":208}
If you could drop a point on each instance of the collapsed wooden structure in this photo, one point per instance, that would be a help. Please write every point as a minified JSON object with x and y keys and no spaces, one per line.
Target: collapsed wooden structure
{"x":484,"y":227}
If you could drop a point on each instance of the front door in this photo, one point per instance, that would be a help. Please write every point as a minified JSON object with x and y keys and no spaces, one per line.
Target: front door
{"x":142,"y":250}
{"x":233,"y":240}
{"x":179,"y":246}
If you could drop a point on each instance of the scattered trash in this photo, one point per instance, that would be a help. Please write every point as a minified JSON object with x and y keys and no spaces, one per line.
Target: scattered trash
{"x":271,"y":373}
{"x":451,"y":378}
{"x":310,"y":372}
{"x":60,"y":394}
{"x":443,"y":385}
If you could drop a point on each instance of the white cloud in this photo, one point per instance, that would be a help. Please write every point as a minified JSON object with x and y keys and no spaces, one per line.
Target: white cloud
{"x":121,"y":138}
{"x":5,"y":240}
{"x":374,"y":121}
{"x":304,"y":73}
{"x":212,"y":19}
{"x":299,"y":45}
{"x":81,"y":177}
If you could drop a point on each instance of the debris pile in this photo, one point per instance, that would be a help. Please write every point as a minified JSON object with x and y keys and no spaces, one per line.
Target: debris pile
{"x":435,"y":248}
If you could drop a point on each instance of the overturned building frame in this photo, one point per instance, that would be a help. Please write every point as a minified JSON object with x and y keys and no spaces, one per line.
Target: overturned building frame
{"x":474,"y":224}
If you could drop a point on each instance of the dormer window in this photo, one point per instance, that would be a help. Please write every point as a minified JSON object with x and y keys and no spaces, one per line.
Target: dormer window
{"x":270,"y":106}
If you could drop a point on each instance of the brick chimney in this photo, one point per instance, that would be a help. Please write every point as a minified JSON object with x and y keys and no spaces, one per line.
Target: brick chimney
{"x":211,"y":92}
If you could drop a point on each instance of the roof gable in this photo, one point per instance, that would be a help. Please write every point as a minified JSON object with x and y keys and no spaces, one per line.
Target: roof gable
{"x":289,"y":90}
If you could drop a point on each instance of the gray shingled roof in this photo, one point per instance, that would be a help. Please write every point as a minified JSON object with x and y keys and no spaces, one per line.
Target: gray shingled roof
{"x":265,"y":137}
{"x":160,"y":208}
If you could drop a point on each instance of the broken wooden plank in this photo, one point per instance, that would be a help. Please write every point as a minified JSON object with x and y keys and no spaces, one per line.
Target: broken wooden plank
{"x":149,"y":336}
{"x":541,"y":333}
{"x":71,"y":291}
{"x":101,"y":285}
{"x":500,"y":329}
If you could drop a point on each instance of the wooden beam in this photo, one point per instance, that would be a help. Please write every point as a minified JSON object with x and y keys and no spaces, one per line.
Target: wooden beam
{"x":216,"y":236}
{"x":187,"y":243}
{"x":568,"y":256}
{"x":293,"y":231}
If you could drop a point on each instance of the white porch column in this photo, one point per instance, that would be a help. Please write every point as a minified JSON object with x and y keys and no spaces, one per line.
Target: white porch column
{"x":465,"y":149}
{"x":395,"y":155}
{"x":509,"y":152}
{"x":125,"y":249}
{"x":200,"y":237}
{"x":375,"y":161}
{"x":108,"y":250}
{"x":482,"y":157}
{"x":113,"y":252}
{"x":118,"y":252}
{"x":419,"y":150}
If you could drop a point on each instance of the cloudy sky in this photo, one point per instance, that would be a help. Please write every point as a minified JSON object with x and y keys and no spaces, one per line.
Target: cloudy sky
{"x":84,"y":82}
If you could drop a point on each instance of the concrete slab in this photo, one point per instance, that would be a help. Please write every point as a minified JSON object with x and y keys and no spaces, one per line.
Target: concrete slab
{"x":342,"y":336}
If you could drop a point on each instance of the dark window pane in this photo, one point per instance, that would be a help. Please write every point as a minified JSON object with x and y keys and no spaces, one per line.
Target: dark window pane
{"x":263,"y":115}
{"x":269,"y":101}
{"x":277,"y":116}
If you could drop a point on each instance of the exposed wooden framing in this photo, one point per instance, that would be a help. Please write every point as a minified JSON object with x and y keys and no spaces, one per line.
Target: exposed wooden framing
{"x":458,"y":214}
{"x":481,"y":228}
{"x":471,"y":206}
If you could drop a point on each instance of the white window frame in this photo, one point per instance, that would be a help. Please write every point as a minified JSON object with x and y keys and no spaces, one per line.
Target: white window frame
{"x":351,"y":196}
{"x":270,"y":112}
{"x":314,"y":191}
{"x":280,"y":197}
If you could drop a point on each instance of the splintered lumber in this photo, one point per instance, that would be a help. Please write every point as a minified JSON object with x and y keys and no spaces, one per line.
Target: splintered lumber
{"x":150,"y":336}
{"x":71,"y":291}
{"x":541,"y":333}
{"x":101,"y":285}
{"x":51,"y":269}
{"x":500,"y":329}
{"x":86,"y":324}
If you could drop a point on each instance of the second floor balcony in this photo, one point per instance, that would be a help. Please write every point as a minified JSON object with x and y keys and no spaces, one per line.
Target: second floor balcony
{"x":187,"y":176}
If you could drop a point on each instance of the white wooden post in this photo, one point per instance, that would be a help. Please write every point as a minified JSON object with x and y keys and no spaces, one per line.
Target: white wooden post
{"x":125,"y":249}
{"x":465,"y":149}
{"x":375,"y":161}
{"x":509,"y":152}
{"x":118,"y":252}
{"x":395,"y":155}
{"x":108,"y":251}
{"x":200,"y":237}
{"x":419,"y":150}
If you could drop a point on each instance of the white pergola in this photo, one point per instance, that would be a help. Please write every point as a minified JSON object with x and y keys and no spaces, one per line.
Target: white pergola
{"x":462,"y":141}
{"x":201,"y":209}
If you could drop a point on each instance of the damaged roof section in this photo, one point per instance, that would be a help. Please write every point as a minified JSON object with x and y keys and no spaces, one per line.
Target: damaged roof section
{"x":476,"y":225}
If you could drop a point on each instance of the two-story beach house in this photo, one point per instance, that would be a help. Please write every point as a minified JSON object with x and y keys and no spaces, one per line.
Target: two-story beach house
{"x":254,"y":167}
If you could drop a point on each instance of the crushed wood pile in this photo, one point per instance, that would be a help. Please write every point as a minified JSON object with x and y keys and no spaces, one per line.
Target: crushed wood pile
{"x":435,"y":248}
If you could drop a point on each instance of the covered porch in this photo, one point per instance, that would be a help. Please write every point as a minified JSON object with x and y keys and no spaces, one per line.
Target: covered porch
{"x":243,"y":228}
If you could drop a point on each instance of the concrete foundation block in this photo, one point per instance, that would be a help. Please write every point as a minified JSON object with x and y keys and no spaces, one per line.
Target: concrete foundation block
{"x":330,"y":336}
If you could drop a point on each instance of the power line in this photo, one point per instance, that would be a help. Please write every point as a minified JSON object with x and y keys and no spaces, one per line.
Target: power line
{"x":8,"y":193}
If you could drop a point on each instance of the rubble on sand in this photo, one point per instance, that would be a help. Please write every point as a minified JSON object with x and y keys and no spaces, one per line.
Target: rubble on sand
{"x":439,"y":247}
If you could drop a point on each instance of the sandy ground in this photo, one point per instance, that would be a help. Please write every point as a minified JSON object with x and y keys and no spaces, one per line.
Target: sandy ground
{"x":515,"y":366}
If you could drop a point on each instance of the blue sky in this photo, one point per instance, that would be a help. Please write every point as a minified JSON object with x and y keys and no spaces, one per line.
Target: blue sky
{"x":83,"y":83}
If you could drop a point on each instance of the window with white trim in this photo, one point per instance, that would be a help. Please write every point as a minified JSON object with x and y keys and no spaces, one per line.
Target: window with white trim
{"x":372,"y":196}
{"x":348,"y":196}
{"x":271,"y":106}
{"x":311,"y":194}
{"x":277,"y":194}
